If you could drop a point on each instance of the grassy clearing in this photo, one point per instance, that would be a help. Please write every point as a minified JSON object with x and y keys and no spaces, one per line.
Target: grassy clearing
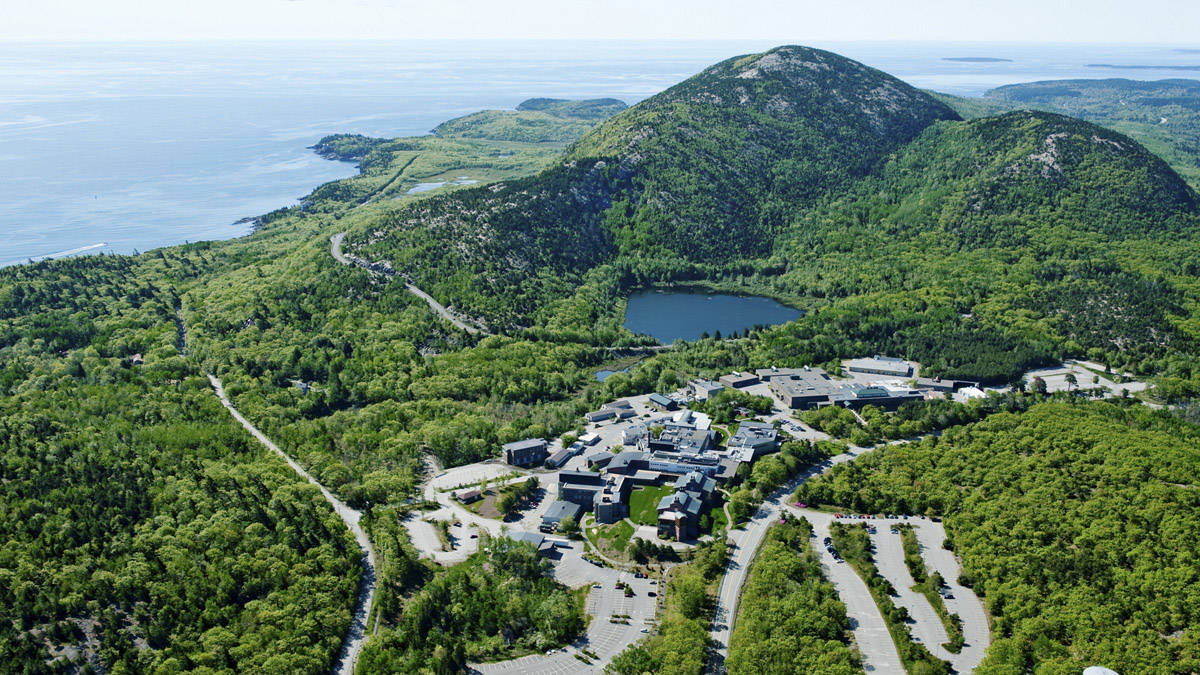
{"x":643,"y":503}
{"x":611,"y":540}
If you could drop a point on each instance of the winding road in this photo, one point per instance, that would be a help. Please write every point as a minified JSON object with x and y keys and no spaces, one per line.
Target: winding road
{"x":335,"y":248}
{"x":357,"y":636}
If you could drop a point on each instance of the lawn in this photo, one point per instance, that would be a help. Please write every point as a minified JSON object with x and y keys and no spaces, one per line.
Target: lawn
{"x":719,"y":521}
{"x":611,"y":540}
{"x":643,"y":503}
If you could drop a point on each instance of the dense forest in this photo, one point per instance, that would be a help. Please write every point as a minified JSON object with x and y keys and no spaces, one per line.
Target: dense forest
{"x":499,"y":604}
{"x":144,"y":530}
{"x":1075,"y":521}
{"x":979,"y":248}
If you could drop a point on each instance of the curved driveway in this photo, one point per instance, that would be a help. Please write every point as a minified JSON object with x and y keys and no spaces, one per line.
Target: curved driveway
{"x":965,"y":603}
{"x":746,"y":542}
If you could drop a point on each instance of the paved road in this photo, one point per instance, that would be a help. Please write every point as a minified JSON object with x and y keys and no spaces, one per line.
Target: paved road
{"x":889,"y":559}
{"x":335,"y":248}
{"x":353,"y":643}
{"x":965,"y":603}
{"x":747,"y":542}
{"x":870,"y":632}
{"x":926,"y":627}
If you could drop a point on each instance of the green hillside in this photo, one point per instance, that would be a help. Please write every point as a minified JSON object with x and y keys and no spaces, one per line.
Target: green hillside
{"x":1164,"y":115}
{"x":537,"y":120}
{"x":708,"y":172}
{"x":590,"y":109}
{"x":803,"y":175}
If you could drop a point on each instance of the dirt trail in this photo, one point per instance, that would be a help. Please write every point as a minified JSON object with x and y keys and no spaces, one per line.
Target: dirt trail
{"x":352,"y":645}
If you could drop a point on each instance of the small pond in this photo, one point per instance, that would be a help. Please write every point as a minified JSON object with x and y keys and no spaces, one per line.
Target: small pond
{"x":604,"y":373}
{"x":668,"y":316}
{"x":426,"y":187}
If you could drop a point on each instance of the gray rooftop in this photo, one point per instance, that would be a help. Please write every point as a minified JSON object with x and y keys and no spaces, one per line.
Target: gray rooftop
{"x":526,"y":444}
{"x":679,"y":501}
{"x":561,"y":509}
{"x":624,"y":459}
{"x":527,"y":537}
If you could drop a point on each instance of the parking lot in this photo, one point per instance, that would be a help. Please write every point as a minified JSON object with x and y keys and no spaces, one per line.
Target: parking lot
{"x":870,"y":632}
{"x":603,"y":637}
{"x":1056,"y":379}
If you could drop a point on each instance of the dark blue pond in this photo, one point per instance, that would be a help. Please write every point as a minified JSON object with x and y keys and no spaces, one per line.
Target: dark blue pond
{"x":668,"y":316}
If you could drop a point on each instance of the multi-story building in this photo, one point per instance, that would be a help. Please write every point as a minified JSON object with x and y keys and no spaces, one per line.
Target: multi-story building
{"x":759,"y":437}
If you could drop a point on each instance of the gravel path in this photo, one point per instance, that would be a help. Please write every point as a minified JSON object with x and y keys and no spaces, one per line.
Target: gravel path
{"x":352,"y":645}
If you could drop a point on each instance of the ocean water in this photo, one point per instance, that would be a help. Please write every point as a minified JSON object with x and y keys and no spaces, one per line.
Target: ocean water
{"x":124,"y":147}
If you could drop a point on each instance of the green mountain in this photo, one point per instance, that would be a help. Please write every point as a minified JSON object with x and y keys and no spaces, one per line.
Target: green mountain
{"x":801,"y":173}
{"x":708,"y":171}
{"x":590,"y":109}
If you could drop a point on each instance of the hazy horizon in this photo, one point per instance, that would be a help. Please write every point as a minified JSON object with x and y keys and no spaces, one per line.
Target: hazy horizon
{"x":1104,"y":21}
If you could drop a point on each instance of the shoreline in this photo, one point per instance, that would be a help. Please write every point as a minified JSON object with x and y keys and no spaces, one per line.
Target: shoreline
{"x":247,"y":226}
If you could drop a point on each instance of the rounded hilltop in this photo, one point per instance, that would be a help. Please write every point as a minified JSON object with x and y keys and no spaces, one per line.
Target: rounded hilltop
{"x":834,"y":97}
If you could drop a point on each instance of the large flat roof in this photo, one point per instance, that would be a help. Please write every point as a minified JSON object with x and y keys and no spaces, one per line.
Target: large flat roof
{"x":526,"y":444}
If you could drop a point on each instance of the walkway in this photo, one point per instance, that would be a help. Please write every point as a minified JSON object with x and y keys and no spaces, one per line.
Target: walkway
{"x":352,"y":645}
{"x":335,"y":248}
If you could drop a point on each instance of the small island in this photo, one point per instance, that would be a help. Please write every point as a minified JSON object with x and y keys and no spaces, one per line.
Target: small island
{"x":1149,"y":66}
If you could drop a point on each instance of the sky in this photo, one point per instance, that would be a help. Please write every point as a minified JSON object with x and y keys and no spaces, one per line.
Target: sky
{"x":1092,"y":21}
